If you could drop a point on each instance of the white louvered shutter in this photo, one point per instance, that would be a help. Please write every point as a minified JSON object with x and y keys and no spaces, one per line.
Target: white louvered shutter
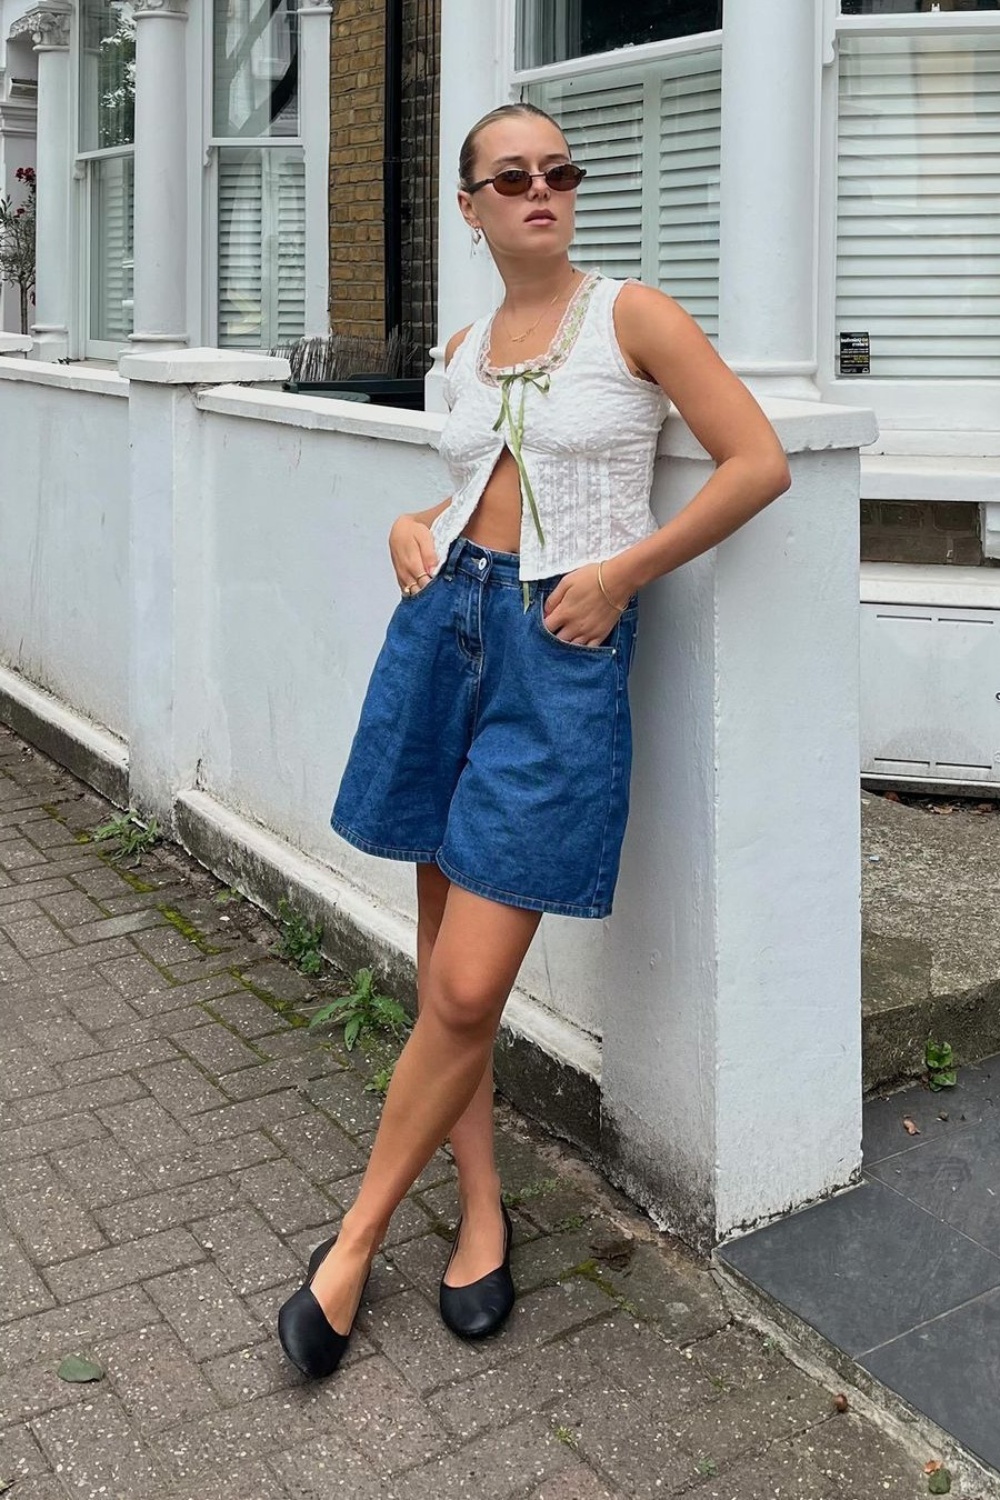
{"x":111,"y":276}
{"x":603,"y":123}
{"x":289,"y":198}
{"x":241,"y":218}
{"x":918,"y":236}
{"x":690,"y":136}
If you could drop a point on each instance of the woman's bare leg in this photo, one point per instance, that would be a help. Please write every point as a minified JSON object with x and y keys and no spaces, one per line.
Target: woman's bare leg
{"x":480,"y":1246}
{"x":474,"y":962}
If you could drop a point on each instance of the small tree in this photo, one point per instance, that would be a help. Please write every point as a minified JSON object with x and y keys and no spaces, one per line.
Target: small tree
{"x":17,"y":243}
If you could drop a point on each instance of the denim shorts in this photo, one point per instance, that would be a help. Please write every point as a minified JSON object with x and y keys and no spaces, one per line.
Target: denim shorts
{"x":492,"y":748}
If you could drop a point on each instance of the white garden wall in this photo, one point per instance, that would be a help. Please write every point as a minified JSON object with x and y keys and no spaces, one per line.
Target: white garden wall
{"x":64,"y":516}
{"x":257,"y":595}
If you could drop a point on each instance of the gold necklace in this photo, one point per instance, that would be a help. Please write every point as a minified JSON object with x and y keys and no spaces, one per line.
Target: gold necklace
{"x":519,"y":338}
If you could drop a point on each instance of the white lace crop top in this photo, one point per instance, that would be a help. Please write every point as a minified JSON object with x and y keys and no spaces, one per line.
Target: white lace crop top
{"x":580,"y":426}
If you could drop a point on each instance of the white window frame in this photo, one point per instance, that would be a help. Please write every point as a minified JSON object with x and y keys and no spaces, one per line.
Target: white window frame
{"x":923,"y":416}
{"x":210,"y":183}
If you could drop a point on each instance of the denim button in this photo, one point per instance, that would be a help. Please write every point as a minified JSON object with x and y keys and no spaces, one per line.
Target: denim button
{"x":482,"y":564}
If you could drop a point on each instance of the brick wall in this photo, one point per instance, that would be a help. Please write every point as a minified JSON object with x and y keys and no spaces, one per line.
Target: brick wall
{"x":357,"y":61}
{"x":357,"y":268}
{"x":922,"y":532}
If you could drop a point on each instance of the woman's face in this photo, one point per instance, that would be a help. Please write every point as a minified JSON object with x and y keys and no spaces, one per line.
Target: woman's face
{"x":538,"y":222}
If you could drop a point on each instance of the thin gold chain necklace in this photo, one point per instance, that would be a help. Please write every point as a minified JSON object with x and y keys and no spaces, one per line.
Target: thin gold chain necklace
{"x":519,"y":338}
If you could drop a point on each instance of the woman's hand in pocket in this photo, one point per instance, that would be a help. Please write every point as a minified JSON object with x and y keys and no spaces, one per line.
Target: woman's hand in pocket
{"x":414,"y":558}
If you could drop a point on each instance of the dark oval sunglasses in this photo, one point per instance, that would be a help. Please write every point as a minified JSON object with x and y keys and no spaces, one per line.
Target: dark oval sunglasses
{"x":562,"y":178}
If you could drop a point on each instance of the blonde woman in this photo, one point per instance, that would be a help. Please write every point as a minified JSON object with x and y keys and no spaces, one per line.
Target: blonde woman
{"x":494,"y":746}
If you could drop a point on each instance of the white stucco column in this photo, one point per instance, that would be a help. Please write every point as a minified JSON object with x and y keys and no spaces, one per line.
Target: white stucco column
{"x":160,"y":234}
{"x":168,"y":541}
{"x":314,"y":113}
{"x":731,"y":1063}
{"x":768,"y":193}
{"x":470,"y":86}
{"x":48,"y":25}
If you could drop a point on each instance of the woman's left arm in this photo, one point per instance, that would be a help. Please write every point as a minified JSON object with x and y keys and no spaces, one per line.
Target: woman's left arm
{"x":663,"y":341}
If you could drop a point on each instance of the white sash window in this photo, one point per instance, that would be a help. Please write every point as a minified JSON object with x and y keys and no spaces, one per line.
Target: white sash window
{"x":106,"y":137}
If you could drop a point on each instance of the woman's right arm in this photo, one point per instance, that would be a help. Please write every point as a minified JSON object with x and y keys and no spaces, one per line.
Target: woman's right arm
{"x":410,"y":543}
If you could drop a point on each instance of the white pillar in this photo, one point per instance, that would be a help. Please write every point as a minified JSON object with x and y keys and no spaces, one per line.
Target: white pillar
{"x":731,"y":1063}
{"x":314,"y":113}
{"x":470,"y":86}
{"x":167,"y":546}
{"x":768,"y":193}
{"x":160,"y":234}
{"x":48,"y":25}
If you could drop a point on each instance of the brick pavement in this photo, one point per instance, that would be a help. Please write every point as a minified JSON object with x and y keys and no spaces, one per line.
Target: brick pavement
{"x":173,"y":1142}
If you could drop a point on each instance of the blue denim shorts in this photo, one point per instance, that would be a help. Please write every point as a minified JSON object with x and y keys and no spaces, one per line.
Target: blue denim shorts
{"x":492,"y":748}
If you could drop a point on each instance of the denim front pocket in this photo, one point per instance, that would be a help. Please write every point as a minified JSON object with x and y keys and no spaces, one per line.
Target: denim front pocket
{"x":606,"y":647}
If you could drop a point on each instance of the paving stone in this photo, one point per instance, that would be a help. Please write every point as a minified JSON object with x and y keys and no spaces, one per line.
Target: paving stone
{"x":245,"y":1250}
{"x":144,"y":1128}
{"x":280,"y":980}
{"x":25,"y":1074}
{"x":157,"y":1211}
{"x":326,"y":1467}
{"x":72,"y":1330}
{"x":629,"y":1442}
{"x":12,"y":966}
{"x":496,"y":1397}
{"x":51,"y":1225}
{"x":181,"y":1088}
{"x":319,"y":1147}
{"x":66,"y":1101}
{"x":45,"y":869}
{"x":19,"y":911}
{"x":670,"y":1290}
{"x":216,"y":1049}
{"x":247,"y":1015}
{"x":36,"y":936}
{"x":59,"y":1038}
{"x":204,"y":1310}
{"x":637,"y":1359}
{"x":735,"y":1357}
{"x":298,"y":1040}
{"x":547,"y":1313}
{"x":155,"y":1379}
{"x":33,"y":1140}
{"x":94,"y":1447}
{"x":285,"y":1197}
{"x":72,"y":909}
{"x":120,"y":1059}
{"x":99,"y":1006}
{"x":195,"y":1162}
{"x":242,"y":1482}
{"x":498,"y":1466}
{"x":262,"y":1368}
{"x":422,"y":1261}
{"x":100,"y":880}
{"x":122,"y":1265}
{"x":98,"y":927}
{"x":577,"y":1483}
{"x":215,"y":1443}
{"x":34,"y":1389}
{"x":100,"y":1172}
{"x":410,"y":1333}
{"x":166,"y":946}
{"x":855,"y":1458}
{"x":776,"y":1476}
{"x":48,"y":887}
{"x":18,"y":854}
{"x":20,"y":1455}
{"x":251,"y":1114}
{"x":31,"y":1175}
{"x":754,"y":1415}
{"x":343,"y":1096}
{"x":286,"y":1072}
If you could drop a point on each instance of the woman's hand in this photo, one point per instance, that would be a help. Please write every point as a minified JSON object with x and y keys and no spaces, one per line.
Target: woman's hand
{"x":411,"y":548}
{"x":577,"y":611}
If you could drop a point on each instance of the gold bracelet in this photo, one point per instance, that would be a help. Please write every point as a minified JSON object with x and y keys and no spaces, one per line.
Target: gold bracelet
{"x":619,"y":608}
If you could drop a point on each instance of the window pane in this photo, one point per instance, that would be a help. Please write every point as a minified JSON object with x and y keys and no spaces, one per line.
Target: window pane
{"x":918,"y":232}
{"x":107,"y":74}
{"x":910,"y":7}
{"x":256,"y":68}
{"x":111,"y":213}
{"x":261,"y":246}
{"x":552,"y":30}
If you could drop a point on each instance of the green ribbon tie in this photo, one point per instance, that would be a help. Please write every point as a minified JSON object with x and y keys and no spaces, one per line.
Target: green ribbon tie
{"x":515,"y":438}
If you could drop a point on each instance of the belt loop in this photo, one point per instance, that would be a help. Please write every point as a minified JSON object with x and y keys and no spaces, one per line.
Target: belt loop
{"x":455,"y":551}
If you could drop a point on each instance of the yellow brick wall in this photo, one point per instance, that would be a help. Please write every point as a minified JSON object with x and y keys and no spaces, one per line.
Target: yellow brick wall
{"x":357,"y":61}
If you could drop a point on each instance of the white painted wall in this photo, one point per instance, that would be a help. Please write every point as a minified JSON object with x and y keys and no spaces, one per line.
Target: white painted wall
{"x":64,"y":618}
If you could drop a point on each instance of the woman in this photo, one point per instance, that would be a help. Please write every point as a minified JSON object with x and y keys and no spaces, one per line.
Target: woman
{"x":494,"y":745}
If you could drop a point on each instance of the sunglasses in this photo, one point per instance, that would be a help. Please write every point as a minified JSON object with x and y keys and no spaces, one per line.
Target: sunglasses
{"x":516,"y":180}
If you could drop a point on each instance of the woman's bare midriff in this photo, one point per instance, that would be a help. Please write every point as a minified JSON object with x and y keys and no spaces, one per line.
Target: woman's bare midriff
{"x":496,"y":520}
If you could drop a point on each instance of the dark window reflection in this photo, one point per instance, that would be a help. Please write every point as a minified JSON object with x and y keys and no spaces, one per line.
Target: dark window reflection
{"x":912,"y":7}
{"x":553,"y":30}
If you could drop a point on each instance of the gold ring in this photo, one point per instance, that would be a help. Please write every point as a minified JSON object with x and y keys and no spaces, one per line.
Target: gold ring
{"x":407,"y":591}
{"x":422,"y":575}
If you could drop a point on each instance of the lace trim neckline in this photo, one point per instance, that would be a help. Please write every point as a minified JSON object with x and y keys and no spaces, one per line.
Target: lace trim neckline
{"x":562,"y":343}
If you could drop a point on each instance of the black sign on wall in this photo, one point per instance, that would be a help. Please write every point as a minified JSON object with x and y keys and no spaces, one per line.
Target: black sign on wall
{"x":855,"y":354}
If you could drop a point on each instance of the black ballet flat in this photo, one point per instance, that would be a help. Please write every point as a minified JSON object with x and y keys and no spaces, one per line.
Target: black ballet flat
{"x":309,"y":1340}
{"x":477,"y":1310}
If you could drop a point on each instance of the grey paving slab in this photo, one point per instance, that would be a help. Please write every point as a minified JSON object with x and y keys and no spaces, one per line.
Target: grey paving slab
{"x":100,"y":1172}
{"x":144,"y":1128}
{"x":155,"y":1211}
{"x":52,"y":1225}
{"x":950,"y":1369}
{"x":326,"y":1467}
{"x":74,"y":1329}
{"x":854,"y":1457}
{"x":218,"y":1050}
{"x":204,"y":1310}
{"x":956,"y":1178}
{"x":118,"y":1089}
{"x":864,"y":1267}
{"x":22,"y":1290}
{"x":195,"y":1162}
{"x":576,"y":1483}
{"x":181,"y":1087}
{"x":942,"y":1115}
{"x":20,"y":1455}
{"x":95,"y":1448}
{"x":247,"y":1252}
{"x":155,"y":1378}
{"x":123,"y":1265}
{"x":497,"y":1466}
{"x":321,"y":1148}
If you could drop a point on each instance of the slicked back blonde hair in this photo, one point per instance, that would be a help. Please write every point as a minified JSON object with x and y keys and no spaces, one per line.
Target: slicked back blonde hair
{"x":467,"y":155}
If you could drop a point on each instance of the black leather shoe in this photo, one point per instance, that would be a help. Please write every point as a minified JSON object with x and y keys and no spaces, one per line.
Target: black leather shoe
{"x":309,"y":1340}
{"x":476,"y":1310}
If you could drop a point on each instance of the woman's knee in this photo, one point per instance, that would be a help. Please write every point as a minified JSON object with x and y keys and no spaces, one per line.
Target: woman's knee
{"x":463,"y":1001}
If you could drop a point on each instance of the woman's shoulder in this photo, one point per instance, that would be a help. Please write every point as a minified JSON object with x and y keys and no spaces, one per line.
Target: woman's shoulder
{"x":453,"y":345}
